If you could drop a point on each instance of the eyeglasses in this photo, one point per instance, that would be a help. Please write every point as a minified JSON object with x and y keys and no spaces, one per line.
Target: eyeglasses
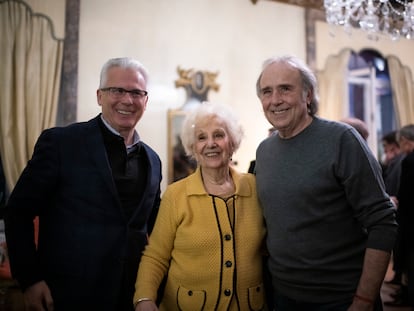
{"x":119,"y":92}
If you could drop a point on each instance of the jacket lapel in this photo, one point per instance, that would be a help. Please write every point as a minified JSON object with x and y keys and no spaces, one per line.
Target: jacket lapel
{"x":152,"y":187}
{"x":96,"y":150}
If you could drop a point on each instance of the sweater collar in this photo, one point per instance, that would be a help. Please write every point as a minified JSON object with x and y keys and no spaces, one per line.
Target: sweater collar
{"x":195,"y":184}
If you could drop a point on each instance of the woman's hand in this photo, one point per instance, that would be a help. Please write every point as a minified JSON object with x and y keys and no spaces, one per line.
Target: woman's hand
{"x":146,"y":305}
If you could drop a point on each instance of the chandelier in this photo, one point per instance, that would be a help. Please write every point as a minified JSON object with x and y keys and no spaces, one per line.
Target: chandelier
{"x":394,"y":18}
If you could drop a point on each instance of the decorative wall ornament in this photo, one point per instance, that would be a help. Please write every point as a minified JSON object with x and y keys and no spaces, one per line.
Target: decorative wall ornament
{"x":197,"y":84}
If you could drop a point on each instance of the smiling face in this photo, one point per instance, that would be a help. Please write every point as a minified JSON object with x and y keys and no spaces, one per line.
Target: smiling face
{"x":212,"y":145}
{"x":284,"y":101}
{"x":123,"y":113}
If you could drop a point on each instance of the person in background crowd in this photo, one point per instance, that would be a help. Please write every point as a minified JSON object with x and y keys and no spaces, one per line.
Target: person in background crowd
{"x":96,"y":188}
{"x":253,"y":162}
{"x":359,"y":125}
{"x":405,"y":217}
{"x":208,"y":237}
{"x":392,"y":163}
{"x":391,"y":173}
{"x":329,"y":242}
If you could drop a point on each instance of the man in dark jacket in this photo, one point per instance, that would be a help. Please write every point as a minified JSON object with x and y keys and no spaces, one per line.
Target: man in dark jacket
{"x":405,"y":217}
{"x":95,"y":188}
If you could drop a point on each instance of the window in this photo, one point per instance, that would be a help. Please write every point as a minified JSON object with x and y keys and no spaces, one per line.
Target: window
{"x":370,"y":96}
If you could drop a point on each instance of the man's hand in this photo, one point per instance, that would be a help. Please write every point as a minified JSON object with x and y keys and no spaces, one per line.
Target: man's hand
{"x":38,"y":297}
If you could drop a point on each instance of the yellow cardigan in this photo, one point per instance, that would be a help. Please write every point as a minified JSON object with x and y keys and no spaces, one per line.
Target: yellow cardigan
{"x":206,"y":261}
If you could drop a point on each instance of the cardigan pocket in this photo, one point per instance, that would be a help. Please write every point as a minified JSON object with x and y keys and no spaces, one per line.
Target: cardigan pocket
{"x":190,"y":300}
{"x":256,"y":297}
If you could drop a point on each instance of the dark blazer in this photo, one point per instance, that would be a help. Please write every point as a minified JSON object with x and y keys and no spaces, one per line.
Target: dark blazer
{"x":86,"y":245}
{"x":405,"y":211}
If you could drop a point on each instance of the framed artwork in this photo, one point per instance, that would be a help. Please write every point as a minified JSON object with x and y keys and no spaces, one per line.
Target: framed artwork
{"x":179,"y":164}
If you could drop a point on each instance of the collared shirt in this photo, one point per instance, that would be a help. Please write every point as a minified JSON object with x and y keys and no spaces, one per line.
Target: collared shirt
{"x":128,"y":166}
{"x":136,"y":138}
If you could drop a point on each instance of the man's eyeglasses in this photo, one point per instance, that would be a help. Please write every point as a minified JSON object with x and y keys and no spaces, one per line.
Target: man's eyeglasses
{"x":119,"y":92}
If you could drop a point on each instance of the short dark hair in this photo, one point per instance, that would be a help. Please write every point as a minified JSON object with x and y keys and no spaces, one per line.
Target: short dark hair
{"x":390,"y":138}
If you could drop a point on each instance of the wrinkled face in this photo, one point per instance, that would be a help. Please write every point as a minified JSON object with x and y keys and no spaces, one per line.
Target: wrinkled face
{"x":284,"y":102}
{"x":124,"y":112}
{"x":212,"y":144}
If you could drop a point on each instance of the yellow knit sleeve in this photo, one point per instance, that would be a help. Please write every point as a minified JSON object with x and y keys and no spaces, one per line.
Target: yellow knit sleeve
{"x":156,"y":257}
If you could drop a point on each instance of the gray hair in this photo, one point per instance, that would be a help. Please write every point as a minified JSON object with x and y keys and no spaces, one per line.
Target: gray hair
{"x":407,"y":132}
{"x":123,"y":62}
{"x":309,"y":80}
{"x":222,"y":112}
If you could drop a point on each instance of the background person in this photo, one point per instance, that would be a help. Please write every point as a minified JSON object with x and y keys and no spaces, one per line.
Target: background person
{"x":329,"y":242}
{"x":405,"y":217}
{"x":253,"y":162}
{"x":95,"y":187}
{"x":359,"y":125}
{"x":392,"y":163}
{"x":209,"y":232}
{"x":391,"y":168}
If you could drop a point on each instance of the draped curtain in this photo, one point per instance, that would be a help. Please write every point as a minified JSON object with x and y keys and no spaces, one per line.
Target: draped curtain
{"x":333,"y":87}
{"x":30,"y":69}
{"x":402,"y":91}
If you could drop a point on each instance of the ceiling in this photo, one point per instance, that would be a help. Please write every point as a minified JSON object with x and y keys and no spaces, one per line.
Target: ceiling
{"x":313,"y":4}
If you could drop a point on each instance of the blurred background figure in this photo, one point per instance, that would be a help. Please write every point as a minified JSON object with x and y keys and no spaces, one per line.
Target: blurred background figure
{"x":270,"y":132}
{"x":405,"y":217}
{"x":359,"y":125}
{"x":391,"y":163}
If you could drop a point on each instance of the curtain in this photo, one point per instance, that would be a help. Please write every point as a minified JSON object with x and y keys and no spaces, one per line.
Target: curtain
{"x":333,"y":87}
{"x":30,"y":69}
{"x":402,"y":91}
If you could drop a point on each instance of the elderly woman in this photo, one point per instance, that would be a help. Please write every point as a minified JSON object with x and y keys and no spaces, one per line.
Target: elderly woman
{"x":207,"y":240}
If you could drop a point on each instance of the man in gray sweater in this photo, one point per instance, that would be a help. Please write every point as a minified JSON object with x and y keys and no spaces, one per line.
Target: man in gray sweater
{"x":331,"y":225}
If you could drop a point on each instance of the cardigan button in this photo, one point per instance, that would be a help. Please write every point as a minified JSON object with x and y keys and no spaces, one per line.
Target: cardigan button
{"x":190,"y":293}
{"x":227,"y":292}
{"x":228,"y":263}
{"x":227,"y":237}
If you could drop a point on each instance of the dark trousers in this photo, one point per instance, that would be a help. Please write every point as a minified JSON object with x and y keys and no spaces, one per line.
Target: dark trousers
{"x":283,"y":303}
{"x":410,"y":276}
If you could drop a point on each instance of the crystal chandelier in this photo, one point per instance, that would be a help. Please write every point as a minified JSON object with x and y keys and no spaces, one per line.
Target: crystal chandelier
{"x":394,"y":18}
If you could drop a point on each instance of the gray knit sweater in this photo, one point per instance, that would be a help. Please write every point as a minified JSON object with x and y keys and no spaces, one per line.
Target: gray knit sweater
{"x":324,"y":202}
